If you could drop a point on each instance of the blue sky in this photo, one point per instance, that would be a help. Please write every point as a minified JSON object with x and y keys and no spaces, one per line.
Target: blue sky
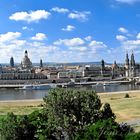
{"x":69,"y":30}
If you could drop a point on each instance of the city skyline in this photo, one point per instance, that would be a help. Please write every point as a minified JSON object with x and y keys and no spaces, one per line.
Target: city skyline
{"x":66,"y":31}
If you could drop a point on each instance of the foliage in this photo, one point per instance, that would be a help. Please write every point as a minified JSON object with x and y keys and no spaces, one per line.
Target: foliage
{"x":67,"y":114}
{"x":17,"y":128}
{"x":8,"y":130}
{"x":107,"y":112}
{"x":126,"y":95}
{"x":70,"y":111}
{"x":104,"y":130}
{"x":133,"y":136}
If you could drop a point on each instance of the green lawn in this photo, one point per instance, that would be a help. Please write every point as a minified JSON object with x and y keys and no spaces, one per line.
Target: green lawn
{"x":20,"y":107}
{"x":124,"y":108}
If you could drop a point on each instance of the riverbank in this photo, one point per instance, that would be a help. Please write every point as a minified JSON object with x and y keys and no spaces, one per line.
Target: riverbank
{"x":20,"y":107}
{"x":126,"y":109}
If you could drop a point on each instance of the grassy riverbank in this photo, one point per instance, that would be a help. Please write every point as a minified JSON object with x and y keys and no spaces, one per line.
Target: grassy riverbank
{"x":20,"y":107}
{"x":126,"y":109}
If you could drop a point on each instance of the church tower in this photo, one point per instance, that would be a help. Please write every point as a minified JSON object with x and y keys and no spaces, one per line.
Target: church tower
{"x":12,"y":62}
{"x":132,"y":65}
{"x":41,"y":63}
{"x":26,"y":63}
{"x":132,"y":62}
{"x":102,"y":67}
{"x":127,"y":65}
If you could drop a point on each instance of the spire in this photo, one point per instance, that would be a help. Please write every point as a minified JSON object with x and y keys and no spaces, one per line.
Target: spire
{"x":127,"y":59}
{"x":102,"y":64}
{"x":12,"y":62}
{"x":132,"y":59}
{"x":26,"y":53}
{"x":41,"y":63}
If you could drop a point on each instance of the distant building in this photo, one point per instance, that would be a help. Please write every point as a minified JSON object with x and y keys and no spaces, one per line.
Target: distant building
{"x":26,"y":63}
{"x":12,"y":62}
{"x":41,"y":63}
{"x":131,"y":68}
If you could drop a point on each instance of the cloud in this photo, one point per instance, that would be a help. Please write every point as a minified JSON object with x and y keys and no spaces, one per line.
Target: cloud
{"x":68,"y":28}
{"x":9,"y":36}
{"x":128,"y":1}
{"x":39,"y":36}
{"x":27,"y":28}
{"x":129,"y":44}
{"x":121,"y":38}
{"x":88,"y":38}
{"x":32,"y":16}
{"x":79,"y":49}
{"x":81,"y":16}
{"x":97,"y":45}
{"x":62,"y":50}
{"x":60,"y":10}
{"x":123,"y":30}
{"x":138,"y":36}
{"x":70,"y":42}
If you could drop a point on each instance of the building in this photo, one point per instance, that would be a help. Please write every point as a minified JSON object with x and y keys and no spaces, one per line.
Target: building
{"x":131,"y":68}
{"x":26,"y":63}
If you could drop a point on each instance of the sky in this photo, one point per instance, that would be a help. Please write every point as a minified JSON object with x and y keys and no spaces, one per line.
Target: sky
{"x":69,"y":30}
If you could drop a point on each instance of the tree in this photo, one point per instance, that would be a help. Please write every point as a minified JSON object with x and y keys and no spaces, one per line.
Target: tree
{"x":105,"y":130}
{"x":70,"y":111}
{"x":17,"y":128}
{"x":8,"y":127}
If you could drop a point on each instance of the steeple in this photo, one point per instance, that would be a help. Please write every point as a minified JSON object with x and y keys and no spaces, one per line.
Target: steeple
{"x":26,"y":53}
{"x":127,"y":59}
{"x":41,"y":63}
{"x":132,"y":62}
{"x":102,"y":64}
{"x":11,"y":62}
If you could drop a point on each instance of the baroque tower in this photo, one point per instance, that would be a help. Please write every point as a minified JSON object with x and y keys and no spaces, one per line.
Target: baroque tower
{"x":132,"y":65}
{"x":12,"y":62}
{"x":41,"y":63}
{"x":102,"y":67}
{"x":127,"y":65}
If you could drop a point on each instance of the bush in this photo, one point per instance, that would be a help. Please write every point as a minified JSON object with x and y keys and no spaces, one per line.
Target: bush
{"x":70,"y":111}
{"x":17,"y":128}
{"x":104,"y":130}
{"x":126,"y":95}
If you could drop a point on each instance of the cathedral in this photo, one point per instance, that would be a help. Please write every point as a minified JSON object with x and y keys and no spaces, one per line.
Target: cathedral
{"x":131,"y":68}
{"x":26,"y":63}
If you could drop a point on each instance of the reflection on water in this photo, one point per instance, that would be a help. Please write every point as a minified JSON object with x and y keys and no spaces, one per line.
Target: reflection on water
{"x":113,"y":88}
{"x":16,"y":94}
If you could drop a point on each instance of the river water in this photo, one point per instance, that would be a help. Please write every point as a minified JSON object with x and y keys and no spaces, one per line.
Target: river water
{"x":19,"y":94}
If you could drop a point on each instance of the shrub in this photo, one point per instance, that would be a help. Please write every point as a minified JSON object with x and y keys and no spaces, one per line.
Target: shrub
{"x":70,"y":111}
{"x":126,"y":95}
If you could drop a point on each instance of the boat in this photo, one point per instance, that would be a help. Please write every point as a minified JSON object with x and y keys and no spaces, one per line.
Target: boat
{"x":99,"y":84}
{"x":39,"y":87}
{"x":111,"y":84}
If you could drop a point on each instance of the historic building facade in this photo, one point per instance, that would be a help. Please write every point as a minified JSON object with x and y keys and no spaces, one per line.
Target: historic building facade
{"x":24,"y":72}
{"x":131,"y":68}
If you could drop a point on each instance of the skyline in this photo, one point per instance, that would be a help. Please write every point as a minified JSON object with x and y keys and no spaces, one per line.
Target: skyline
{"x":64,"y":31}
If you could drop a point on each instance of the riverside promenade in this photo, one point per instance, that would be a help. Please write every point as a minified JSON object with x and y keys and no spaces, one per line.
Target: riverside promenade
{"x":19,"y":84}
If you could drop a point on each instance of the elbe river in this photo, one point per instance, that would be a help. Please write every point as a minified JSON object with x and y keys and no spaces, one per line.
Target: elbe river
{"x":20,"y":94}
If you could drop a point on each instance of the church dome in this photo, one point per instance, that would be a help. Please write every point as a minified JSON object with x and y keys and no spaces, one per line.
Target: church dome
{"x":26,"y":63}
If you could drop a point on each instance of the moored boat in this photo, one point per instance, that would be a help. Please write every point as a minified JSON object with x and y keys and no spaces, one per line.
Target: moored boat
{"x":39,"y":87}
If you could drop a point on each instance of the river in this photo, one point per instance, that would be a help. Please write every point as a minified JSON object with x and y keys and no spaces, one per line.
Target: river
{"x":19,"y":94}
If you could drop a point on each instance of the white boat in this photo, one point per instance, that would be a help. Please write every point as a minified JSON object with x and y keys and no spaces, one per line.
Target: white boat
{"x":111,"y":84}
{"x":39,"y":87}
{"x":99,"y":84}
